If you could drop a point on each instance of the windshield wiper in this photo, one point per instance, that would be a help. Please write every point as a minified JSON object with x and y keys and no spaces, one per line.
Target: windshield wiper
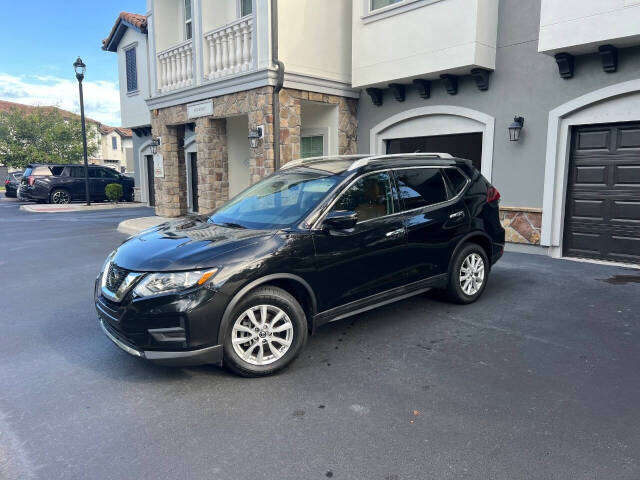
{"x":232,"y":225}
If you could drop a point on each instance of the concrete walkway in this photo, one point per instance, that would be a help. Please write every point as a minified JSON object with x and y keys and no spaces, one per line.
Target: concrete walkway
{"x":75,"y":207}
{"x":136,"y":225}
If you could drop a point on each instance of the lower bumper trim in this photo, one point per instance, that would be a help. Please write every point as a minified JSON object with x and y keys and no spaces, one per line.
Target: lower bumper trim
{"x":202,"y":356}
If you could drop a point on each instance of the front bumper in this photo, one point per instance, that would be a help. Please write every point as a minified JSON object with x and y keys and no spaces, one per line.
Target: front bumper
{"x":178,"y":330}
{"x":201,"y":356}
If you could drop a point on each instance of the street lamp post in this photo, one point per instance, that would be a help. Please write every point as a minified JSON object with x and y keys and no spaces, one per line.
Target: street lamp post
{"x":80,"y":67}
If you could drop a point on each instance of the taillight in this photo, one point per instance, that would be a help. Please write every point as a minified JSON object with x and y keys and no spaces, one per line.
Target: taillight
{"x":493,"y":195}
{"x":31,"y":180}
{"x":7,"y":182}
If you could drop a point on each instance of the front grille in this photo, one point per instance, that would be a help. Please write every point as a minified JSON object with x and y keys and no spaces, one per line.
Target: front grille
{"x":115,"y":277}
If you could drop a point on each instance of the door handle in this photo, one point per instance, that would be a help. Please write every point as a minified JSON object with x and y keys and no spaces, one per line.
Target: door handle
{"x":395,"y":233}
{"x":457,"y":214}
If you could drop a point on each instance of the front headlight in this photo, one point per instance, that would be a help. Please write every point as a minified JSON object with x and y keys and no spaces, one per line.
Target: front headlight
{"x":156,"y":283}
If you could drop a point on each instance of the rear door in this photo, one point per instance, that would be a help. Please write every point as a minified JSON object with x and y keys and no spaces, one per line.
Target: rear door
{"x":435,"y":217}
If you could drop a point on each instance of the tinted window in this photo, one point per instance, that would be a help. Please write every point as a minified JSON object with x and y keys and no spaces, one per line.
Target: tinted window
{"x":456,"y":179}
{"x":76,"y":172}
{"x":420,"y":187}
{"x":108,"y":173}
{"x":370,"y":197}
{"x":57,"y":171}
{"x":93,"y":172}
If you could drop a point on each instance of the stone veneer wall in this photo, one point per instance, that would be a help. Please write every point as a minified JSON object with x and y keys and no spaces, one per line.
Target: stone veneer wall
{"x":211,"y":140}
{"x":521,"y":225}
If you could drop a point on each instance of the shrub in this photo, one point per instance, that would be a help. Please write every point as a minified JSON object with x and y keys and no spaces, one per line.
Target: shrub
{"x":113,"y":191}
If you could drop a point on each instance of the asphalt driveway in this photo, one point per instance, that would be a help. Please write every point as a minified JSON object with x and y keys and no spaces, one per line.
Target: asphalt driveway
{"x":539,"y":379}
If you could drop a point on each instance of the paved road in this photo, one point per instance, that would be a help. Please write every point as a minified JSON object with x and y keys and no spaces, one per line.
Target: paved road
{"x":539,"y":379}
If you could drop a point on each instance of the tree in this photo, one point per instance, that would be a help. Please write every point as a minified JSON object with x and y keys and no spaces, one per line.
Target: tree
{"x":42,"y":135}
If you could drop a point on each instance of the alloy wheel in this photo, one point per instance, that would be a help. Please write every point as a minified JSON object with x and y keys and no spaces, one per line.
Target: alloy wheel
{"x":262,"y":334}
{"x":60,"y":196}
{"x":472,"y":274}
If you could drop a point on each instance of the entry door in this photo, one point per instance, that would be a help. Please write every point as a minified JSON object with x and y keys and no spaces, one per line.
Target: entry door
{"x":151,"y":180}
{"x":357,"y":263}
{"x":602,"y":218}
{"x":193,"y":158}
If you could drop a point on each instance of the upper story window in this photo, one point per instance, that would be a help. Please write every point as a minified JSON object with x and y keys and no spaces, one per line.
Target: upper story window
{"x":131,"y":68}
{"x":114,"y":143}
{"x":246,"y":7}
{"x":188,"y":20}
{"x":377,"y":4}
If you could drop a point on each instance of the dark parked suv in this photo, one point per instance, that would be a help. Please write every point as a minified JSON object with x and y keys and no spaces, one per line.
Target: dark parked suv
{"x":53,"y":183}
{"x":320,"y":240}
{"x":11,"y":184}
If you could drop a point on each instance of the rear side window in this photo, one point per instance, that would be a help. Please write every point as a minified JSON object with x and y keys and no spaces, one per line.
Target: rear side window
{"x":421,"y":187}
{"x":456,"y":178}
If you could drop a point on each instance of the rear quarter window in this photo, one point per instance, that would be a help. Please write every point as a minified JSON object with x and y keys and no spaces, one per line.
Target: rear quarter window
{"x":57,"y":171}
{"x":456,"y":178}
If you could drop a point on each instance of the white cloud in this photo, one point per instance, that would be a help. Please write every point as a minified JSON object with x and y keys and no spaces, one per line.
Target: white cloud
{"x":101,"y":98}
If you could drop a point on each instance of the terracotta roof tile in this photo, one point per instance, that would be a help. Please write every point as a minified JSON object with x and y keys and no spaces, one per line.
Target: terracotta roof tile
{"x":136,"y":20}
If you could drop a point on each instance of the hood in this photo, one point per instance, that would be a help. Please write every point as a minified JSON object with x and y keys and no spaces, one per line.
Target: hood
{"x":186,"y":244}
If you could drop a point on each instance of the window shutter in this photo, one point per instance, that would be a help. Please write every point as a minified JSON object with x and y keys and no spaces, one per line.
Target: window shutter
{"x":132,"y":72}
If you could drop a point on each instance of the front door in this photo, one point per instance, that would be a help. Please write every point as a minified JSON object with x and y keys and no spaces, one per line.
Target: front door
{"x":360,"y":262}
{"x":193,"y":158}
{"x":151,"y":180}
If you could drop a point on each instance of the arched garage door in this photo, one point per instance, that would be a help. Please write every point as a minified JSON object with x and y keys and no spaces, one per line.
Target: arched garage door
{"x":602,"y":218}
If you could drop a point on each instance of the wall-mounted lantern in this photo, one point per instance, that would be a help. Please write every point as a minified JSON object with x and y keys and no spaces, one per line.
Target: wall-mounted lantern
{"x":515,"y":128}
{"x":255,"y":134}
{"x":155,"y":143}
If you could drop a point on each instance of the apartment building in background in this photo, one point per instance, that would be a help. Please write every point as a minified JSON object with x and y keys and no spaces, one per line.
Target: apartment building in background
{"x":543,"y":96}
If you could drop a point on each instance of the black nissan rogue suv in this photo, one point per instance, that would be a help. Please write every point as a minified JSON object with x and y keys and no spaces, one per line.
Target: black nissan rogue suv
{"x":319,"y":240}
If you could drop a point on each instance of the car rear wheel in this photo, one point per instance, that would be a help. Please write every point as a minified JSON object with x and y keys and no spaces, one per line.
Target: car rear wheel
{"x":60,"y":196}
{"x":468,"y":275}
{"x":265,"y":333}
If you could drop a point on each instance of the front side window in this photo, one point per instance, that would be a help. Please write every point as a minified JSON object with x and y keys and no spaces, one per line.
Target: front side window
{"x":188,"y":22}
{"x":370,"y":197}
{"x":131,"y":69}
{"x":421,"y":187}
{"x":278,"y":201}
{"x":377,"y":4}
{"x":114,"y":143}
{"x":108,"y":173}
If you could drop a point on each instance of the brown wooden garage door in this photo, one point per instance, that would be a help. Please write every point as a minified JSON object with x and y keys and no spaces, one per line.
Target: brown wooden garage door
{"x":602,"y":218}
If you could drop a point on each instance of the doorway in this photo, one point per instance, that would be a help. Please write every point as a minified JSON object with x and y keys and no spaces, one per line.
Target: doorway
{"x":238,"y":154}
{"x":192,"y":182}
{"x":150,"y":180}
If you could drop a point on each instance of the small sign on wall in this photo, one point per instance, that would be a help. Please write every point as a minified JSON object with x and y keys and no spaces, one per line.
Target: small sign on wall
{"x":200,"y":109}
{"x":158,"y":165}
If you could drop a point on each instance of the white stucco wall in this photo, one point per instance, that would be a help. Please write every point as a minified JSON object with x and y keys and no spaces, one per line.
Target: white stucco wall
{"x":133,"y":109}
{"x":578,"y":26}
{"x":422,"y":39}
{"x":315,"y":37}
{"x":238,"y":154}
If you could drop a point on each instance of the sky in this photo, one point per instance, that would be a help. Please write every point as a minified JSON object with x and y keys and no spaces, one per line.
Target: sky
{"x":40,"y":40}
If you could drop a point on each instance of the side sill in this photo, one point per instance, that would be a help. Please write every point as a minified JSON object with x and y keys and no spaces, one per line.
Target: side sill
{"x":379,"y":299}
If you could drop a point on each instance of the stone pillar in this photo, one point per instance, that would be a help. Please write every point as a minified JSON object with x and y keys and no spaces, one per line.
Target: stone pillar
{"x":347,"y":125}
{"x":213,"y":166}
{"x":261,"y":158}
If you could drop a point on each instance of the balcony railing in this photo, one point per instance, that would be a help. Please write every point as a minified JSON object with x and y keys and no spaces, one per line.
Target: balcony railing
{"x":230,"y":49}
{"x":176,"y":67}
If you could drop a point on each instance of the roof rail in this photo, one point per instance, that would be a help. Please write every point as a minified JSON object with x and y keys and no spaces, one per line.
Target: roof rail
{"x":365,"y":161}
{"x":305,"y":161}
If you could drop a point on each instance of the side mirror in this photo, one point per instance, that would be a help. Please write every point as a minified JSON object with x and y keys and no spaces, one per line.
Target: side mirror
{"x":340,"y":220}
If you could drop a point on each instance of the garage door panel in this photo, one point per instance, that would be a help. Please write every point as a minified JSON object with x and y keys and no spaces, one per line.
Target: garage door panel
{"x":602,"y":217}
{"x":628,"y":138}
{"x":627,"y":175}
{"x":594,"y":140}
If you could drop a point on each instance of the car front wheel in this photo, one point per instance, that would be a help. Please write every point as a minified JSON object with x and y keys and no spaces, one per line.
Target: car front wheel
{"x":468,"y":275}
{"x":265,"y":333}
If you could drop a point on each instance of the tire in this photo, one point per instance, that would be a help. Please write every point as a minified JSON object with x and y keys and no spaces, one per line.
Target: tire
{"x":59,"y":196}
{"x":287,"y":318}
{"x":468,"y":291}
{"x":9,"y":195}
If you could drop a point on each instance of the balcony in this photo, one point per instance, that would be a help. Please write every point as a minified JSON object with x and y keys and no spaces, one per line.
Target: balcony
{"x":229,"y":49}
{"x":175,"y":67}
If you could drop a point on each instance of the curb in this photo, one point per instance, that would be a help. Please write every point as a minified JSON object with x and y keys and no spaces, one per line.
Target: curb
{"x":134,"y":226}
{"x":74,"y":208}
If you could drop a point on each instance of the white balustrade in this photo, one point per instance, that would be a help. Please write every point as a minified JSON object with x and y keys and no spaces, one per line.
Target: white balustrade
{"x":230,"y":48}
{"x":175,"y":67}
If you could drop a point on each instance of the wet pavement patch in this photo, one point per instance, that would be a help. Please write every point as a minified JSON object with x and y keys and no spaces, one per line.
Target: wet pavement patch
{"x":621,"y":279}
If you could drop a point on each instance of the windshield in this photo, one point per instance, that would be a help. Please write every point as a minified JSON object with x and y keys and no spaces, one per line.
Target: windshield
{"x":278,"y":201}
